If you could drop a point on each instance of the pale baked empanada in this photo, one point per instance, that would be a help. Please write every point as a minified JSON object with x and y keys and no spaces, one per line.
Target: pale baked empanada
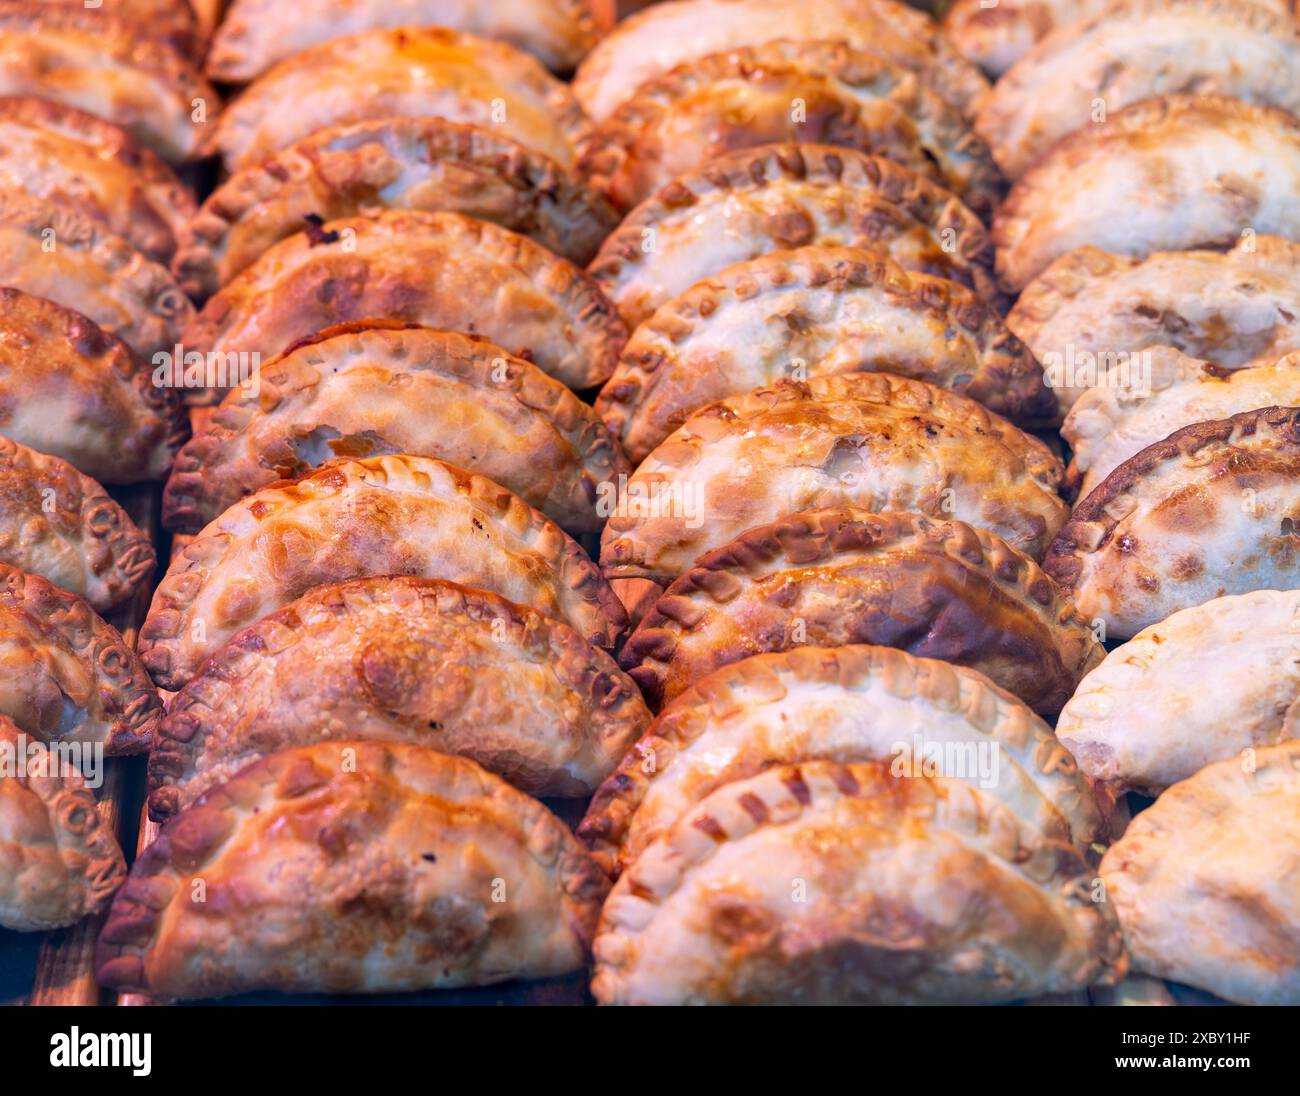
{"x":390,"y":163}
{"x":672,"y":34}
{"x":1203,"y":685}
{"x":872,"y":440}
{"x":1083,"y":71}
{"x":50,"y":250}
{"x":1126,"y":412}
{"x":61,"y":860}
{"x":66,"y":675}
{"x":1206,"y":881}
{"x":361,"y":867}
{"x":996,"y":35}
{"x":829,"y":577}
{"x":69,"y":389}
{"x":54,"y":151}
{"x":817,"y":92}
{"x":437,"y":269}
{"x":386,"y":515}
{"x":852,"y":703}
{"x":1169,"y":174}
{"x":413,"y":71}
{"x":807,"y":313}
{"x":1091,"y":310}
{"x":403,"y":660}
{"x":1212,"y":509}
{"x":758,"y":200}
{"x":256,"y":34}
{"x":58,"y":523}
{"x":108,"y":67}
{"x":823,"y":883}
{"x":359,"y":390}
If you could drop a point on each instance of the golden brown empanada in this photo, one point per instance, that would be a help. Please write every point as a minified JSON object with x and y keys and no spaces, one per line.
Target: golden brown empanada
{"x":1169,"y":174}
{"x":390,"y":163}
{"x":257,"y":34}
{"x":54,"y":151}
{"x":766,"y":199}
{"x":1206,"y":684}
{"x":846,"y":884}
{"x":813,"y":312}
{"x":69,"y":389}
{"x":358,"y":390}
{"x":360,"y":867}
{"x":67,"y":675}
{"x":851,"y":703}
{"x":1205,"y":880}
{"x":61,"y":860}
{"x":413,"y":72}
{"x":174,"y":21}
{"x":403,"y":659}
{"x":50,"y":250}
{"x":1082,"y":72}
{"x":1212,"y":509}
{"x":872,"y":440}
{"x":351,"y":518}
{"x":996,"y":35}
{"x":59,"y":524}
{"x":1126,"y":412}
{"x":829,"y":577}
{"x":106,"y":66}
{"x":437,"y":269}
{"x":1091,"y":310}
{"x":817,"y":92}
{"x":668,"y":35}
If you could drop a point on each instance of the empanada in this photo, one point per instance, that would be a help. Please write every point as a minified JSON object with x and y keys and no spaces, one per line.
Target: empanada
{"x":827,"y":884}
{"x":437,"y":269}
{"x":829,"y":577}
{"x":67,"y":675}
{"x":996,"y":35}
{"x":1086,"y":70}
{"x":61,"y":860}
{"x":403,"y":660}
{"x":174,"y":21}
{"x":1212,"y":509}
{"x":816,"y":92}
{"x":358,"y":390}
{"x":69,"y":389}
{"x":766,"y":199}
{"x":1206,"y":881}
{"x":389,"y":163}
{"x":106,"y":66}
{"x":351,"y":518}
{"x":48,"y":249}
{"x":872,"y":440}
{"x":54,"y":151}
{"x":850,"y":703}
{"x":668,"y":35}
{"x":1126,"y":412}
{"x":256,"y":34}
{"x":1203,"y":685}
{"x":807,"y":313}
{"x":413,"y":72}
{"x":358,"y":867}
{"x":1091,"y":310}
{"x":58,"y":523}
{"x":1169,"y":174}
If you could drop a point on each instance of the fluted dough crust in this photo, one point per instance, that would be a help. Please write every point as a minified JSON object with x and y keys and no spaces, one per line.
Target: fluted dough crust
{"x":352,"y":518}
{"x":829,"y":577}
{"x":872,"y":440}
{"x":843,"y":884}
{"x":310,"y":859}
{"x":358,"y":390}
